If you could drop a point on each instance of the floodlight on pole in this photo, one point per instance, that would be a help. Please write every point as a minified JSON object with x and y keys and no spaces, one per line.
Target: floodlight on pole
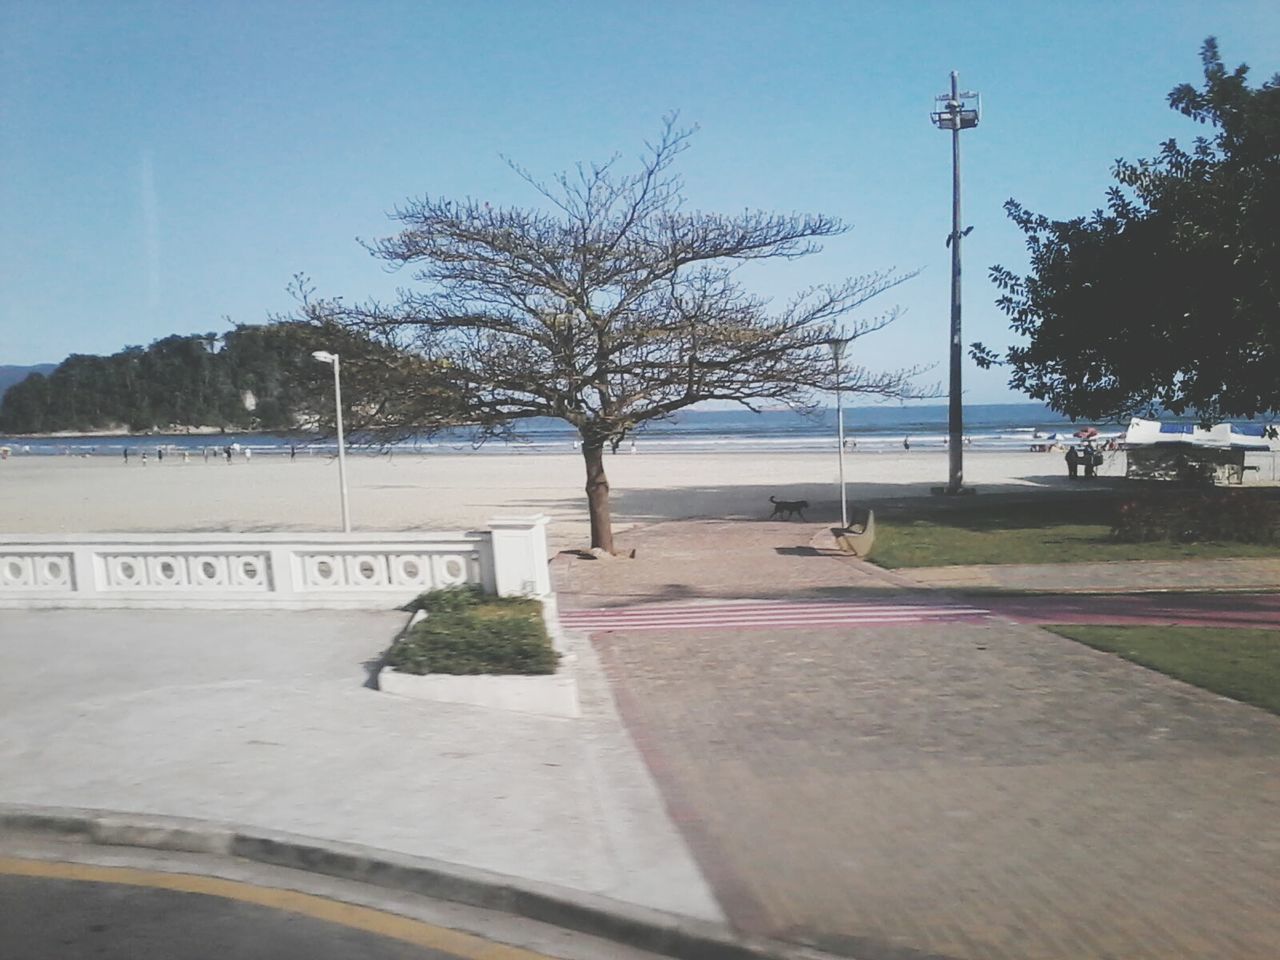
{"x":324,"y":356}
{"x":958,"y":110}
{"x":838,"y":346}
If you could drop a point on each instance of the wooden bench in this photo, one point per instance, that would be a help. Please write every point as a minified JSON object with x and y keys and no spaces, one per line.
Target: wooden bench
{"x":860,"y":536}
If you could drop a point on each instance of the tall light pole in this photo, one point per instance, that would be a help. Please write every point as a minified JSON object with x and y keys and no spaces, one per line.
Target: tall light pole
{"x":324,"y":356}
{"x":837,"y":352}
{"x":956,"y":114}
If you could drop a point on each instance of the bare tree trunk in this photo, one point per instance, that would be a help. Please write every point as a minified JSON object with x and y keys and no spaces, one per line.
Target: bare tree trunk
{"x":598,"y":496}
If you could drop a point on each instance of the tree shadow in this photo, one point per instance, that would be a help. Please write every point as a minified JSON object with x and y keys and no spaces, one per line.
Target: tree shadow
{"x":809,"y":552}
{"x":1258,"y":610}
{"x":1034,"y":496}
{"x":656,"y":594}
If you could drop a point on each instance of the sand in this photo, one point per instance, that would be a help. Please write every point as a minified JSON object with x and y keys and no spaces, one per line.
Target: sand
{"x":56,"y":494}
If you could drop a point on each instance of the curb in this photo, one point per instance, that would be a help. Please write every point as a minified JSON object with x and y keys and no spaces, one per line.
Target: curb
{"x":631,"y":925}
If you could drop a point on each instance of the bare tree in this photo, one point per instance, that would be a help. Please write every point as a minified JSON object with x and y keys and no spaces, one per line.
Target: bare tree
{"x":612,"y":308}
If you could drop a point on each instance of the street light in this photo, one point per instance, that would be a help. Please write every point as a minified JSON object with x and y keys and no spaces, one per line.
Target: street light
{"x":960,"y":110}
{"x":837,"y":346}
{"x":324,"y":356}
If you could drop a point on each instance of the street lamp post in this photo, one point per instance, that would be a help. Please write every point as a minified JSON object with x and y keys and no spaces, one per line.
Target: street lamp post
{"x":324,"y":356}
{"x":956,"y":114}
{"x":837,"y":352}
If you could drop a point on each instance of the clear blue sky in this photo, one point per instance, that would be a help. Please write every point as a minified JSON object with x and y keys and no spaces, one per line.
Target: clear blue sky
{"x":165,"y":165}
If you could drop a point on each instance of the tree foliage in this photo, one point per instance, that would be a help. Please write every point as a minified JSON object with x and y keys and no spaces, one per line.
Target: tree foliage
{"x":1170,"y":297}
{"x":251,"y":378}
{"x":610,"y":307}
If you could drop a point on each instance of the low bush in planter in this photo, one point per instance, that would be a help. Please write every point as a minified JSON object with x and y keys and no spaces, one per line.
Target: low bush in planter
{"x":452,"y":599}
{"x":467,"y":632}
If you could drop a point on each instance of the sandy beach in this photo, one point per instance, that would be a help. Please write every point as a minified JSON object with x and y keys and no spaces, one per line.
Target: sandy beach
{"x":57,"y":494}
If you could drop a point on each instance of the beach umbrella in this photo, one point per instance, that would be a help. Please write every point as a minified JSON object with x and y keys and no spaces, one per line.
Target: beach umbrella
{"x":1088,"y":433}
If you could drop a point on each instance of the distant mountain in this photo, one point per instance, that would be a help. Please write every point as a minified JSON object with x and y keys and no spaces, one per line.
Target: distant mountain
{"x":9,"y":375}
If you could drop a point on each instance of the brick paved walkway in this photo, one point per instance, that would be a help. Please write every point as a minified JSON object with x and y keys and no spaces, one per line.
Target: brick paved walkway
{"x":719,"y":558}
{"x":961,"y":790}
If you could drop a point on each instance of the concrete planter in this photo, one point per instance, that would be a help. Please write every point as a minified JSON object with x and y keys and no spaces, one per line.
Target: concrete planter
{"x":547,"y":695}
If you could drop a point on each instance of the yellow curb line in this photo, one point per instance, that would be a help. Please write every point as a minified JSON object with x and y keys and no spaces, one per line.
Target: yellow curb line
{"x":367,"y":919}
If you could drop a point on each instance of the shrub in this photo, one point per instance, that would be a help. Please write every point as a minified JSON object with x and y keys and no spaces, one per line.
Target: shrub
{"x":466,"y":632}
{"x":447,"y":599}
{"x":1242,"y":516}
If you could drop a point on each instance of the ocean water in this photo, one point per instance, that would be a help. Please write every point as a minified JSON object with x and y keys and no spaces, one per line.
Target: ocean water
{"x":884,"y":427}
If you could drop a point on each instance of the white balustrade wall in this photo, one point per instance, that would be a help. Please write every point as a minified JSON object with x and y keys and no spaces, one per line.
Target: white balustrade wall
{"x":281,"y":570}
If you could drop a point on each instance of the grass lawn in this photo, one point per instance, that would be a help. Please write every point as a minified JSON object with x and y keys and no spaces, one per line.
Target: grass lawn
{"x":1243,"y":664}
{"x":1005,"y":529}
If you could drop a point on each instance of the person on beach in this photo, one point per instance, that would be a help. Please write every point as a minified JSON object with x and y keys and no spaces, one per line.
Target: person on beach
{"x":247,"y":454}
{"x":206,"y":454}
{"x":293,"y":451}
{"x":227,"y":451}
{"x":160,"y":454}
{"x":126,"y":454}
{"x":1073,"y":462}
{"x":144,"y":458}
{"x":906,"y":443}
{"x":186,"y":456}
{"x":1091,"y":459}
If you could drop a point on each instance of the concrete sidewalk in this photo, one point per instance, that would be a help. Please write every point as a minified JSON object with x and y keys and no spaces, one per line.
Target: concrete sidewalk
{"x":971,"y":791}
{"x":262,"y":718}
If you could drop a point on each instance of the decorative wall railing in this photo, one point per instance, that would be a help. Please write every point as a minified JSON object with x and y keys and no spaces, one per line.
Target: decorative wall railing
{"x":287,"y":570}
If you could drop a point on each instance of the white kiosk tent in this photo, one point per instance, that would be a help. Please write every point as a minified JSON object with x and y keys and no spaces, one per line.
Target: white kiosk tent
{"x":1167,"y":451}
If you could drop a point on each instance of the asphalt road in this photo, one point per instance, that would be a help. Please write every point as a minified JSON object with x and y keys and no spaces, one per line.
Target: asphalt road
{"x":71,"y":911}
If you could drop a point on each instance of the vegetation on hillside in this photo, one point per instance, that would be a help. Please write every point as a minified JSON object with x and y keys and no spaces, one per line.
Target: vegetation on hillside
{"x":254,"y":377}
{"x":11,"y":374}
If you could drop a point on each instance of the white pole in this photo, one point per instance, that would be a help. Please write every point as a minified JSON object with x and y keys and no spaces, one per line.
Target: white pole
{"x":342,"y":448}
{"x":837,"y":349}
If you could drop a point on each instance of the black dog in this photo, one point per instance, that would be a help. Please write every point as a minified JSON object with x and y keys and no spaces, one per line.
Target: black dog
{"x":786,"y":509}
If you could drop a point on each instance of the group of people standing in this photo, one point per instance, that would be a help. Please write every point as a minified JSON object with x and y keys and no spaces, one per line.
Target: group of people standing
{"x":227,"y":451}
{"x":1086,"y":455}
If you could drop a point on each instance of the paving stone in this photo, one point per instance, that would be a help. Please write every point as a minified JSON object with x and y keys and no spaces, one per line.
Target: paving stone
{"x":949,"y":790}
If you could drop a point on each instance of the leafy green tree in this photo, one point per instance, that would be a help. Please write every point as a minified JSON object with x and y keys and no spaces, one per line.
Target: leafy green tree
{"x":1170,"y":297}
{"x":611,"y":307}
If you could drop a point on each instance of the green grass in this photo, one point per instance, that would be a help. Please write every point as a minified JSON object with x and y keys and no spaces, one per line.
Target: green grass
{"x":1240,"y":663}
{"x":1002,"y":529}
{"x":466,"y":632}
